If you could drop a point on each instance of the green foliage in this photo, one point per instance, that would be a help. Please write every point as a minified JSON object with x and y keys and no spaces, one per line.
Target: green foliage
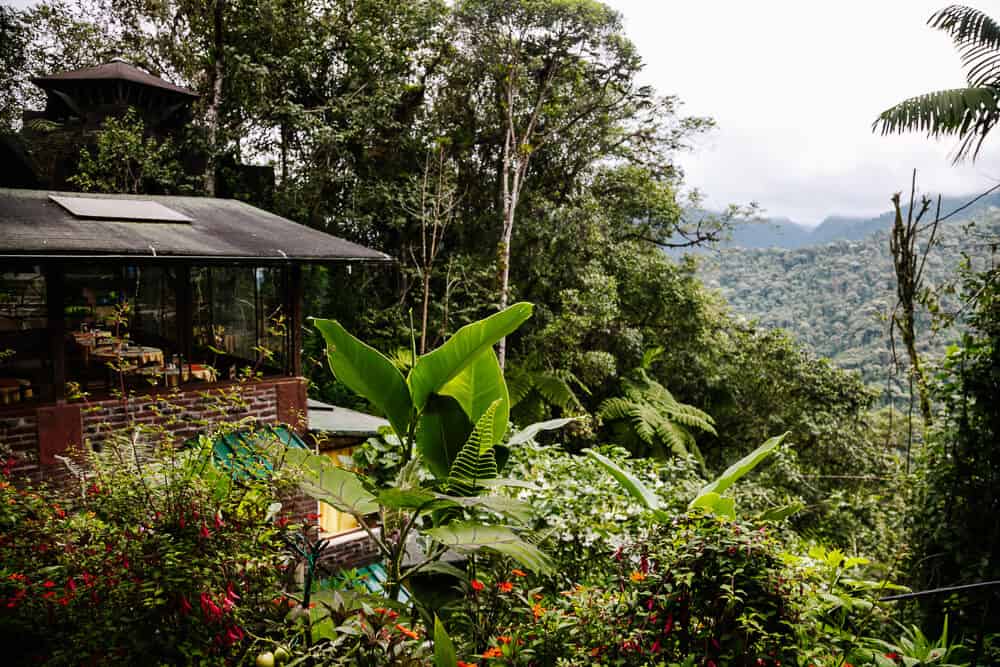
{"x":967,"y":113}
{"x":586,"y":514}
{"x":656,"y":418}
{"x":954,"y":537}
{"x":127,"y":161}
{"x":166,"y":561}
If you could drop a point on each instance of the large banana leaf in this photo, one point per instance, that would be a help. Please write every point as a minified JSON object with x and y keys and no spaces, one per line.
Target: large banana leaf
{"x":426,"y":500}
{"x":470,"y":536}
{"x":369,"y":373}
{"x":739,"y":469}
{"x":329,"y":483}
{"x":631,"y":484}
{"x":529,"y":432}
{"x":477,"y":387}
{"x":435,"y":369}
{"x":441,"y":433}
{"x":444,"y":649}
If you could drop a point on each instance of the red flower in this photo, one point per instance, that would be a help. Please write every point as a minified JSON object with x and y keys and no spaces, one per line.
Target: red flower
{"x":493,"y":652}
{"x":204,"y":531}
{"x":505,"y":586}
{"x":184,"y":606}
{"x":312,"y":516}
{"x":477,"y":585}
{"x":49,"y":584}
{"x":209,"y":608}
{"x":218,"y":521}
{"x":892,"y":656}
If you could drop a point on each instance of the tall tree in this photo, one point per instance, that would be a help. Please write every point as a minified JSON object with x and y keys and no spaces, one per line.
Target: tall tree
{"x":969,"y":113}
{"x":547,"y":72}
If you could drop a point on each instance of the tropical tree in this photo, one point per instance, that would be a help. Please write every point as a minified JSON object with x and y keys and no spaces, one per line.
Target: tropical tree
{"x":969,"y":113}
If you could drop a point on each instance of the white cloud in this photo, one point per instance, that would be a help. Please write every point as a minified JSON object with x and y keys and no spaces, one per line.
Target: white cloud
{"x":794,"y":87}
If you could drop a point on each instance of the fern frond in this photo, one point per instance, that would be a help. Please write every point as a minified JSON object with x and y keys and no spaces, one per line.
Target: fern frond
{"x":519,"y":385}
{"x":476,"y":460}
{"x":615,"y":408}
{"x":557,"y":392}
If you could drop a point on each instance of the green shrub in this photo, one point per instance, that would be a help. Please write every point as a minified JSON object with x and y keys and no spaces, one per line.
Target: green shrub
{"x":160,"y":559}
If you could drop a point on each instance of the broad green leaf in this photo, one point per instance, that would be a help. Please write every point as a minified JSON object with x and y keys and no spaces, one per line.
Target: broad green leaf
{"x":444,"y":649}
{"x":629,"y":482}
{"x":529,"y":432}
{"x":367,"y":372}
{"x":740,"y":468}
{"x":781,"y":512}
{"x":435,"y":369}
{"x":477,"y":387}
{"x":411,"y":499}
{"x":441,"y":433}
{"x":470,"y":536}
{"x":715,"y":503}
{"x":504,"y":505}
{"x":329,"y":483}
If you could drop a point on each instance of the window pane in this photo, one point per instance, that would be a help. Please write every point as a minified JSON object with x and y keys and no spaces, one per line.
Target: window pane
{"x":25,"y":371}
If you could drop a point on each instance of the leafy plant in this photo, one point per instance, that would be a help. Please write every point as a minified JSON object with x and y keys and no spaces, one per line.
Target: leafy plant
{"x":659,"y":421}
{"x":710,"y":497}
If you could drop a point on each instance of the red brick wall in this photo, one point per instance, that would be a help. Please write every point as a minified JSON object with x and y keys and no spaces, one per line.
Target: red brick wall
{"x":37,"y":433}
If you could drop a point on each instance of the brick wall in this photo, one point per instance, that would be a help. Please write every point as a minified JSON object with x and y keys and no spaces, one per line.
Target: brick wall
{"x":36,"y":434}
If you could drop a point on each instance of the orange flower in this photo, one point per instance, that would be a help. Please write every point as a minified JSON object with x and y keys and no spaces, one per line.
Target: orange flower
{"x":493,"y":652}
{"x":463,"y":663}
{"x":409,"y":633}
{"x":505,"y":586}
{"x":636,"y":576}
{"x":477,"y":585}
{"x":519,"y":573}
{"x":537,"y":610}
{"x":503,"y":639}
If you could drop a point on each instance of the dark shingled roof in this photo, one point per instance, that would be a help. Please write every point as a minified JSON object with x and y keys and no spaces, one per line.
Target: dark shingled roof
{"x":114,"y":70}
{"x":34,"y":226}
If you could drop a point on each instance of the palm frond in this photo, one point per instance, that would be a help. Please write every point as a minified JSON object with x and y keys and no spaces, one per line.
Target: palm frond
{"x":968,"y":113}
{"x":977,"y":38}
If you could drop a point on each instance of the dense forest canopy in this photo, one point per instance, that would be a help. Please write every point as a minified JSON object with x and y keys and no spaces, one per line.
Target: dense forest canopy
{"x":506,"y":151}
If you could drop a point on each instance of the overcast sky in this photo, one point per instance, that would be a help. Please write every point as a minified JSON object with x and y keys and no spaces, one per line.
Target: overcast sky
{"x":794,"y":87}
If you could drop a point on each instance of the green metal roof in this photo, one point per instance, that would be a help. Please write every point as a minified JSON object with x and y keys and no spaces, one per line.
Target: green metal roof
{"x":238,"y":452}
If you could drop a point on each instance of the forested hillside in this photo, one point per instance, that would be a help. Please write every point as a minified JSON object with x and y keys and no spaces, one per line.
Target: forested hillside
{"x":785,"y":233}
{"x":836,"y":297}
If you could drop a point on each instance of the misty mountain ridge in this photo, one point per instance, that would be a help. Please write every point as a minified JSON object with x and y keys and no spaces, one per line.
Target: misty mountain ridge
{"x":781,"y":232}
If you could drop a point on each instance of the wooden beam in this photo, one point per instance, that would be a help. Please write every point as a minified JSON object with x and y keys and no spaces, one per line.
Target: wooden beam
{"x":184,"y":299}
{"x":55,"y":298}
{"x":294,"y":363}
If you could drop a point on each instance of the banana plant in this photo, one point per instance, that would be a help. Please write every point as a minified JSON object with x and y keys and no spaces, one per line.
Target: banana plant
{"x":710,"y":498}
{"x":451,"y":411}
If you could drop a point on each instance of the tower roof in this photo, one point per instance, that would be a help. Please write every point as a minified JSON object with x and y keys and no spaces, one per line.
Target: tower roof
{"x":115,"y":70}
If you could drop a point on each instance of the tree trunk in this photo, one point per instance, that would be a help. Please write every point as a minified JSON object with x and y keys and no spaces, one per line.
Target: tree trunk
{"x":212,"y":113}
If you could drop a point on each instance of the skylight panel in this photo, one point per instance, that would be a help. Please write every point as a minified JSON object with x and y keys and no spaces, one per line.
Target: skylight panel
{"x":129,"y":210}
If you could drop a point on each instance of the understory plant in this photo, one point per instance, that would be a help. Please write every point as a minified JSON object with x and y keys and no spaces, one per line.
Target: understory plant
{"x":158,"y":557}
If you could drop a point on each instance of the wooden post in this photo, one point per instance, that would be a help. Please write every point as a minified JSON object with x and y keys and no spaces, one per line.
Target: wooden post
{"x":55,"y":297}
{"x":294,"y":364}
{"x":184,"y":299}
